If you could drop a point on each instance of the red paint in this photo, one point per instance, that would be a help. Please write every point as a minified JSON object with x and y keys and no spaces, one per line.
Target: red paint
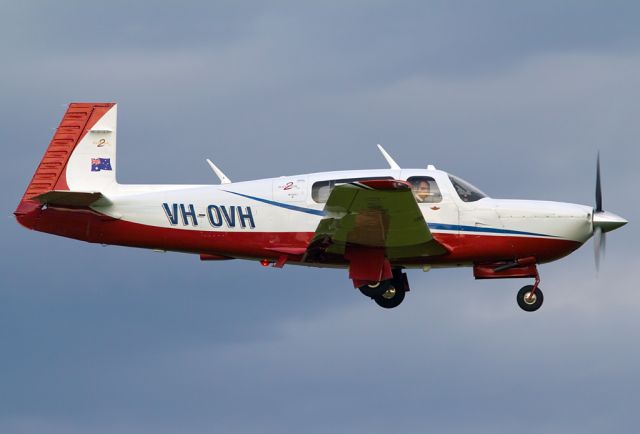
{"x":76,"y":122}
{"x":281,"y":261}
{"x":294,"y":251}
{"x":386,"y":184}
{"x":210,"y":257}
{"x":25,"y":209}
{"x":488,"y":272}
{"x":367,"y":264}
{"x":526,"y":261}
{"x":492,"y":248}
{"x":87,"y":225}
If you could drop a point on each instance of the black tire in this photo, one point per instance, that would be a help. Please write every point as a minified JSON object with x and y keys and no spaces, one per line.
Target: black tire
{"x":375,"y":290}
{"x":529,"y":305}
{"x":392,"y":298}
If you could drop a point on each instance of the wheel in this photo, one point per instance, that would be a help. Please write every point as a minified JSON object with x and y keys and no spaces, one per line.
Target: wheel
{"x":528,"y":303}
{"x":391,"y":298}
{"x":374,"y":290}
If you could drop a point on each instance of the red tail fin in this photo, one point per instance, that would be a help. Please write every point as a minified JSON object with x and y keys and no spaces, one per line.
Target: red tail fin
{"x":50,"y":174}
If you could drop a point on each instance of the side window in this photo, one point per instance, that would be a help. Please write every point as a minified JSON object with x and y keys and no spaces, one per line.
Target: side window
{"x":425,"y":189}
{"x":322,"y":189}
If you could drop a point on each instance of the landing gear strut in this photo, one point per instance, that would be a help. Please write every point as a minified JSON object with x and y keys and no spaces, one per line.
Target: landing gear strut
{"x":388,"y":293}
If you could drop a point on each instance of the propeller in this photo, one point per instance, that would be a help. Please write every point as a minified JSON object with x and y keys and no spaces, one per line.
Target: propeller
{"x":599,"y":245}
{"x":598,"y":188}
{"x":602,"y":221}
{"x":599,"y":237}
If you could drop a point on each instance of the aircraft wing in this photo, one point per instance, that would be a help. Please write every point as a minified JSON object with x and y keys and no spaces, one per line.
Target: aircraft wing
{"x":377,"y":214}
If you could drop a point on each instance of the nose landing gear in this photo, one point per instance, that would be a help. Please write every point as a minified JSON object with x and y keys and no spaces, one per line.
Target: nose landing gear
{"x":530,"y":297}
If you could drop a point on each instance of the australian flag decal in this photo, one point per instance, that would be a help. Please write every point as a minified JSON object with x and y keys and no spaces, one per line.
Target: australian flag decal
{"x":98,"y":164}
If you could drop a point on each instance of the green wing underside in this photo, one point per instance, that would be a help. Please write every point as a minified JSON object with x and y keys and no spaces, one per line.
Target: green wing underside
{"x":363,"y":216}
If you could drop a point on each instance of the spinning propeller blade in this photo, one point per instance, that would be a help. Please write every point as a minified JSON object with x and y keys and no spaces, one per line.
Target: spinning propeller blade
{"x":599,"y":245}
{"x":603,"y":221}
{"x":598,"y":235}
{"x":598,"y":188}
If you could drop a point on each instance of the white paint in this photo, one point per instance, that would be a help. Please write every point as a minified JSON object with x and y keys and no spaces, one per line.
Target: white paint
{"x":223,"y":178}
{"x":391,"y":161}
{"x":99,"y":142}
{"x":285,"y":204}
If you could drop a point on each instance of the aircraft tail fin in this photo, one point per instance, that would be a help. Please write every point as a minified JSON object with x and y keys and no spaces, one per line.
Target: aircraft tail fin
{"x":78,"y":165}
{"x":82,"y":152}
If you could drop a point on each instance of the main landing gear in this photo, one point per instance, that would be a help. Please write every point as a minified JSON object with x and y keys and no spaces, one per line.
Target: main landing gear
{"x":388,"y":293}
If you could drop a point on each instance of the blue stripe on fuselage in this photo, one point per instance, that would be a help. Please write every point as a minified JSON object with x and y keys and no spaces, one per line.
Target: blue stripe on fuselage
{"x":282,"y":205}
{"x":434,"y":226}
{"x":461,"y":228}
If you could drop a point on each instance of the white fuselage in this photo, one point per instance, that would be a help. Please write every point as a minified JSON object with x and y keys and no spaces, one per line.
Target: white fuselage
{"x":289,"y":204}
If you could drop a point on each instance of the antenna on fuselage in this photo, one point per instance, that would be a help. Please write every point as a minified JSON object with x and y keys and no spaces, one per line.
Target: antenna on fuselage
{"x":219,"y":173}
{"x":391,"y":161}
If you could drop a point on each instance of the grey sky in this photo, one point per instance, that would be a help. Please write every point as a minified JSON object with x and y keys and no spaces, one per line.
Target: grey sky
{"x":516,"y":98}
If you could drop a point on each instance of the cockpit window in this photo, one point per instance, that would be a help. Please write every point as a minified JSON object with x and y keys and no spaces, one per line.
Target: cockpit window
{"x":466,"y":191}
{"x":425,"y":189}
{"x":322,"y":189}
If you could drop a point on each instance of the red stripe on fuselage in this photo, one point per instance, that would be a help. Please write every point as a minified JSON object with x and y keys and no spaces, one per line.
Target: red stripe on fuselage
{"x":87,"y":225}
{"x":484,"y":248}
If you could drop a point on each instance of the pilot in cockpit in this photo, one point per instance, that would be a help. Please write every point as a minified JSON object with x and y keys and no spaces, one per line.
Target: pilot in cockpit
{"x":421,"y":191}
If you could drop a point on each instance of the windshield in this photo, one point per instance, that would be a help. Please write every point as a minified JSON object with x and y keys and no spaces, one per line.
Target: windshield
{"x":466,"y":191}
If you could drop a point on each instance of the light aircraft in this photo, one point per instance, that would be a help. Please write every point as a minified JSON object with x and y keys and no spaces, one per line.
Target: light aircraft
{"x":375,"y":223}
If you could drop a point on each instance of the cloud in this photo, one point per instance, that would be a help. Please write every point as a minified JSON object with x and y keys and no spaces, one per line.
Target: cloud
{"x":515,"y":98}
{"x":456,"y":346}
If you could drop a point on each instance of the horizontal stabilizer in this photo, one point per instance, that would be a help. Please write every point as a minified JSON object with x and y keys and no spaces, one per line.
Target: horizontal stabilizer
{"x":68,"y":198}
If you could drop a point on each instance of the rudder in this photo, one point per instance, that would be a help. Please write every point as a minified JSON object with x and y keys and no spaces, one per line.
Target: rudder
{"x":81,"y":154}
